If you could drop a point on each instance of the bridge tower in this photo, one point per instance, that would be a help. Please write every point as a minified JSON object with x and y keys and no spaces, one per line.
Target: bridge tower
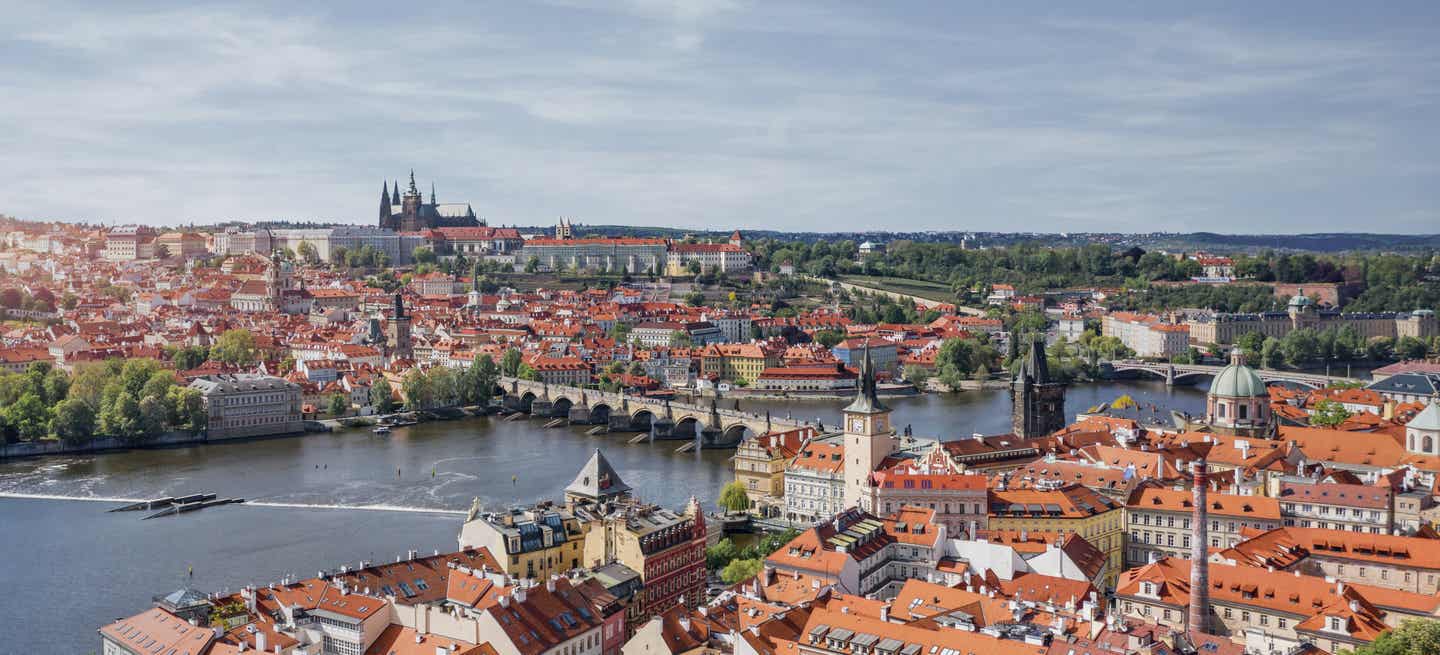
{"x":868,"y":437}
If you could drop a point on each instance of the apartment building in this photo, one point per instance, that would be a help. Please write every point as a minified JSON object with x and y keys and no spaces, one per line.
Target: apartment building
{"x":737,"y":362}
{"x":815,"y":483}
{"x":1158,"y":521}
{"x":1409,"y":564}
{"x":760,"y":466}
{"x":958,"y":500}
{"x":1332,"y":505}
{"x":531,"y":543}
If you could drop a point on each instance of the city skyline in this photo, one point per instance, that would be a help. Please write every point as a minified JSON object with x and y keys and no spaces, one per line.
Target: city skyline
{"x":1281,"y":118}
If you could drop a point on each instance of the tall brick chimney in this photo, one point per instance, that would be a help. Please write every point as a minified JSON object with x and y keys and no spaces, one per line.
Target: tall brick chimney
{"x":1199,"y":553}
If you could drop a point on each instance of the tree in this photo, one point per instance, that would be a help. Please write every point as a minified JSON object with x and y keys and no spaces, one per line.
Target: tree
{"x":423,"y":255}
{"x":680,"y":339}
{"x":382,"y":396}
{"x":733,"y":497}
{"x":484,"y":374}
{"x":307,"y":253}
{"x":1413,"y":637}
{"x":526,"y":372}
{"x":717,"y":556}
{"x":532,"y":264}
{"x":339,"y":405}
{"x":829,"y":338}
{"x":28,"y":417}
{"x":1270,"y":354}
{"x":187,"y":409}
{"x":74,"y":422}
{"x":152,"y":417}
{"x":236,"y":348}
{"x":190,"y":357}
{"x":1328,"y":414}
{"x":740,"y":570}
{"x":417,"y":390}
{"x":120,"y":417}
{"x":510,"y":363}
{"x":695,"y":298}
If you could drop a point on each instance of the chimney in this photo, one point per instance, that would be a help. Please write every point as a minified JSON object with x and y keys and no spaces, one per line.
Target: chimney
{"x":1199,"y":562}
{"x":885,"y":613}
{"x":260,"y":642}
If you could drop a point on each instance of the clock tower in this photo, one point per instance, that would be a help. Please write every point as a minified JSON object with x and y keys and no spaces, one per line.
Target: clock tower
{"x":868,"y":437}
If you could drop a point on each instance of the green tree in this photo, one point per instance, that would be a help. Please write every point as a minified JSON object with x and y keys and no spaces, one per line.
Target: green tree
{"x":417,"y":390}
{"x":187,"y":409}
{"x":532,"y":264}
{"x":733,"y":497}
{"x":382,"y":396}
{"x":307,"y":253}
{"x":1413,"y":637}
{"x":153,"y":413}
{"x":190,"y":357}
{"x":510,"y":363}
{"x":717,"y":556}
{"x":120,"y":417}
{"x":526,"y":372}
{"x":74,"y":422}
{"x":236,"y":348}
{"x":423,"y":255}
{"x":829,"y":338}
{"x":695,"y":299}
{"x":680,"y":339}
{"x":1328,"y":414}
{"x":740,"y":570}
{"x":484,"y":375}
{"x":28,"y":417}
{"x":339,"y":405}
{"x":1271,"y":355}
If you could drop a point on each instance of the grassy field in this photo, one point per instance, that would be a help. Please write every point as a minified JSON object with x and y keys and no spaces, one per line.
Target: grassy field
{"x":928,"y":290}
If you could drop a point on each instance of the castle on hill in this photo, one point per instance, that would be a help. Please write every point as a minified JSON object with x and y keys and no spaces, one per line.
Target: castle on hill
{"x":410,"y":213}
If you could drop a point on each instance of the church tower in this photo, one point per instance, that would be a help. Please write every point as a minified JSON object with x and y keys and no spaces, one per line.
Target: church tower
{"x":399,"y":331}
{"x":384,"y":206}
{"x":868,"y":437}
{"x":1037,"y":403}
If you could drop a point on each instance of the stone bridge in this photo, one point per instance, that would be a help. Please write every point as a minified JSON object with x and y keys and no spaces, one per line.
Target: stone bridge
{"x":709,"y":426}
{"x":1174,"y":372}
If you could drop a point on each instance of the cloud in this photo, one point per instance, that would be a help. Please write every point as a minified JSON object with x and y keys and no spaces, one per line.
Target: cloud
{"x":717,"y":114}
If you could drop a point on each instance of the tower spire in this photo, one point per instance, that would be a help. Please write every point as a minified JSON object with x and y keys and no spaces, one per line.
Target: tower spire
{"x":432,"y":194}
{"x":414,"y":191}
{"x":867,"y":399}
{"x":395,"y":193}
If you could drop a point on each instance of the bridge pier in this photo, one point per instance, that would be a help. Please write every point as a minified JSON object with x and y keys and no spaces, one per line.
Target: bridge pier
{"x":661,"y":428}
{"x":541,"y":408}
{"x":512,"y":403}
{"x":579,"y":415}
{"x":621,"y":422}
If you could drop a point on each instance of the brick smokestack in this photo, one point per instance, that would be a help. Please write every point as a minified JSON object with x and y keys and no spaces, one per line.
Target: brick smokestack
{"x":1199,"y":553}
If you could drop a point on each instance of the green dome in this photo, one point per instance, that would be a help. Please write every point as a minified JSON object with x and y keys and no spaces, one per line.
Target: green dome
{"x":1300,"y":300}
{"x":1238,"y":380}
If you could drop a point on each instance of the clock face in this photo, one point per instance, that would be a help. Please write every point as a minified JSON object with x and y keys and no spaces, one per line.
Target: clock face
{"x":857,"y":425}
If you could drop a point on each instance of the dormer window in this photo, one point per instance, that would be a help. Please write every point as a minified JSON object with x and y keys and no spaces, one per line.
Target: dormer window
{"x":1147,"y":588}
{"x":1337,"y":624}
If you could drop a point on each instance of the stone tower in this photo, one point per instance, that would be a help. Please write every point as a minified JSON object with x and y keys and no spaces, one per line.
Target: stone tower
{"x":399,"y":331}
{"x":1037,"y":403}
{"x":868,"y":437}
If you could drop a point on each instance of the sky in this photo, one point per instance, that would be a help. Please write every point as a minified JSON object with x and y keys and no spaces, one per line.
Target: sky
{"x":1244,"y":117}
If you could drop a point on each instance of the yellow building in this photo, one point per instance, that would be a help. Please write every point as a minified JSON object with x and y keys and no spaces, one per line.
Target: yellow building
{"x":737,"y":362}
{"x":529,"y":543}
{"x":760,"y":466}
{"x":1073,"y":508}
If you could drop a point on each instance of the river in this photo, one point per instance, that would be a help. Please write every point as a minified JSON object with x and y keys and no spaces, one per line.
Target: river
{"x":70,"y":566}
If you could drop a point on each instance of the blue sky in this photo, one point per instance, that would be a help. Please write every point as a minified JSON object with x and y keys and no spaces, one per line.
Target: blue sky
{"x":1090,"y":116}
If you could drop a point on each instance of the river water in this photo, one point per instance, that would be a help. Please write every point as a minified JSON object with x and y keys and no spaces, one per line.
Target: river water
{"x":69,"y":566}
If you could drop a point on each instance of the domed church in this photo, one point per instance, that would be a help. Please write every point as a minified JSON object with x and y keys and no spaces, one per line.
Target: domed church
{"x":1238,"y":402}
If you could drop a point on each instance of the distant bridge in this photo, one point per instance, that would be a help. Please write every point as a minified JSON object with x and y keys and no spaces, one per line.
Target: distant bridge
{"x":709,"y":426}
{"x":1174,"y":372}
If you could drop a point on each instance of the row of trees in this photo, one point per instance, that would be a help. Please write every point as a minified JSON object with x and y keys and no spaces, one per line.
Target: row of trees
{"x":1309,"y":347}
{"x":132,"y":400}
{"x":446,"y":387}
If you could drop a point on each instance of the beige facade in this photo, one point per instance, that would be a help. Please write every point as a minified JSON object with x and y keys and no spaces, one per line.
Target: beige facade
{"x":249,"y":405}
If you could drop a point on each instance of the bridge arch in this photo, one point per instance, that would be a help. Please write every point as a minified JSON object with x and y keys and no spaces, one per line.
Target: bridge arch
{"x":736,"y":433}
{"x":687,"y":426}
{"x":527,"y":401}
{"x":561,"y":406}
{"x":642,"y":419}
{"x":600,"y":413}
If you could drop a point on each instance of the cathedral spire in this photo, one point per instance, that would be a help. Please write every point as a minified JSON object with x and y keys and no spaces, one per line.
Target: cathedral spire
{"x":384,"y":204}
{"x":432,"y":194}
{"x":413,"y":191}
{"x":395,"y":193}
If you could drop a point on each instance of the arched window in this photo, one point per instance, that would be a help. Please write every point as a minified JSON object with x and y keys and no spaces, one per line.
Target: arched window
{"x":1243,"y":407}
{"x":1429,"y":444}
